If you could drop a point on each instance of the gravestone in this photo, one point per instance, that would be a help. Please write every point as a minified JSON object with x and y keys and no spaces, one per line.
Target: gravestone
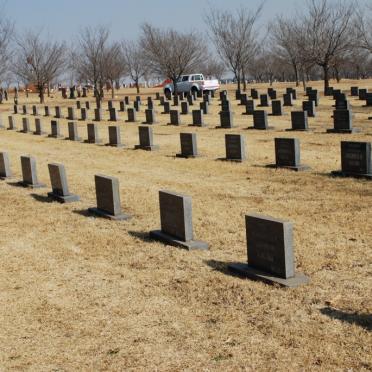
{"x":342,"y":104}
{"x":35,"y":110}
{"x":110,"y":105}
{"x":46,"y":111}
{"x":55,"y":130}
{"x":87,"y":105}
{"x":137,"y":106}
{"x":132,"y":115}
{"x":93,"y":134}
{"x":328,"y":91}
{"x":138,"y":99}
{"x":150,"y":103}
{"x":313,"y":96}
{"x":272,"y":93}
{"x":166,"y":108}
{"x":84,"y":114}
{"x":235,"y":147}
{"x":71,"y":113}
{"x":354,"y":91}
{"x":15,"y":109}
{"x":270,"y":252}
{"x":243,"y":99}
{"x":225,"y":106}
{"x":122,"y":106}
{"x":113,"y":114}
{"x":260,"y":120}
{"x":26,"y":126}
{"x":207,"y":98}
{"x":24,"y":110}
{"x":238,"y":94}
{"x":204,"y":106}
{"x":276,"y":107}
{"x":226,"y":120}
{"x":337,"y":93}
{"x":73,"y":132}
{"x":184,"y":108}
{"x":293,"y":92}
{"x":29,"y":173}
{"x":342,"y":122}
{"x":287,"y":154}
{"x":362,"y":94}
{"x":12,"y":124}
{"x":157,"y":95}
{"x":108,"y":198}
{"x":368,"y":99}
{"x":1,"y":123}
{"x":308,"y":90}
{"x":38,"y":127}
{"x":356,"y":160}
{"x":5,"y":171}
{"x":249,"y":107}
{"x":64,"y":93}
{"x":58,"y":180}
{"x":309,"y":107}
{"x":84,"y":95}
{"x":127,"y":100}
{"x":97,"y":114}
{"x":146,"y":139}
{"x":176,"y":222}
{"x":189,"y":148}
{"x":223,"y":95}
{"x":198,"y":118}
{"x":264,"y":100}
{"x":162,"y":101}
{"x":150,"y":117}
{"x":114,"y":136}
{"x":287,"y":99}
{"x":254,"y":93}
{"x":78,"y":105}
{"x":176,"y":100}
{"x":58,"y":111}
{"x":299,"y":121}
{"x":175,"y":118}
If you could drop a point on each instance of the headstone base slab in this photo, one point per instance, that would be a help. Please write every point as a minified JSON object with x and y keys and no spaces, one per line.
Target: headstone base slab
{"x":101,"y":213}
{"x":171,"y":240}
{"x":268,"y":128}
{"x":64,"y":199}
{"x":354,"y":130}
{"x":252,"y":273}
{"x":353,"y":175}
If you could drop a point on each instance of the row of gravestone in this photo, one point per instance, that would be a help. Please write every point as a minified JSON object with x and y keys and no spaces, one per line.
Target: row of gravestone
{"x":355,"y":156}
{"x":269,"y":240}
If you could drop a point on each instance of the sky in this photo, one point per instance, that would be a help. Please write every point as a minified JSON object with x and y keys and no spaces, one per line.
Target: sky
{"x":62,"y":19}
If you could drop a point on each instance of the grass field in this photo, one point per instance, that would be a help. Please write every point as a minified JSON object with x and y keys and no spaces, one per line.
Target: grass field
{"x":83,"y":293}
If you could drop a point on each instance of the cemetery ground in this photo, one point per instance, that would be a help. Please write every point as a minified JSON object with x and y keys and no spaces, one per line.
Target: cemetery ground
{"x":85,"y":293}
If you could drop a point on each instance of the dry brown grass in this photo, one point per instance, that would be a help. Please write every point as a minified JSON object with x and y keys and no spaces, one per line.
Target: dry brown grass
{"x":81,"y":293}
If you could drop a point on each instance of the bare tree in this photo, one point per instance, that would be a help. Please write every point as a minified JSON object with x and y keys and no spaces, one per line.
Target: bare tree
{"x":363,"y":27}
{"x":212,"y":67}
{"x":234,"y":37}
{"x":170,"y":53}
{"x":38,"y":61}
{"x":329,"y":34}
{"x":6,"y":33}
{"x":135,"y":62}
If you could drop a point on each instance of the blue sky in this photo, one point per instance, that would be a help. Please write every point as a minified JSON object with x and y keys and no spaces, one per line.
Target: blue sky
{"x":62,"y":19}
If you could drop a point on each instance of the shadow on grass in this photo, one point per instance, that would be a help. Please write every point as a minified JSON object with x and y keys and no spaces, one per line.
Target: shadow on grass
{"x":221,"y":267}
{"x":83,"y":212}
{"x":143,"y":236}
{"x":42,"y":198}
{"x":17,"y":184}
{"x":361,"y":320}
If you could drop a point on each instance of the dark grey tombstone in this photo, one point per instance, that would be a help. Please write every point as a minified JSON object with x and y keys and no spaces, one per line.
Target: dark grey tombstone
{"x":1,"y":123}
{"x":138,"y":99}
{"x":15,"y":109}
{"x":184,"y":108}
{"x":87,"y":105}
{"x":24,"y":110}
{"x":78,"y":105}
{"x":235,"y":147}
{"x":287,"y":99}
{"x":204,"y":106}
{"x":264,"y":100}
{"x":299,"y":121}
{"x":292,"y":91}
{"x":97,"y":114}
{"x":368,"y":99}
{"x":175,"y":117}
{"x":243,"y":99}
{"x":84,"y":114}
{"x":225,"y":105}
{"x":114,"y":136}
{"x":73,"y":132}
{"x":254,"y":93}
{"x":150,"y":117}
{"x":342,"y":104}
{"x":113,"y":114}
{"x":5,"y":171}
{"x":58,"y":112}
{"x":276,"y":107}
{"x":354,"y":91}
{"x":207,"y":98}
{"x":29,"y":173}
{"x":58,"y":179}
{"x":55,"y":130}
{"x":238,"y":94}
{"x":84,"y":95}
{"x":313,"y":96}
{"x":342,"y":122}
{"x":270,"y":252}
{"x":108,"y":198}
{"x":35,"y":110}
{"x":162,"y":101}
{"x":272,"y":93}
{"x":260,"y":120}
{"x":26,"y":126}
{"x":362,"y":94}
{"x":337,"y":93}
{"x":137,"y":106}
{"x":226,"y":119}
{"x":110,"y":105}
{"x":122,"y":106}
{"x":287,"y":154}
{"x":309,"y":107}
{"x":249,"y":107}
{"x":176,"y":222}
{"x":71,"y":113}
{"x":132,"y":115}
{"x":356,"y":160}
{"x":176,"y":100}
{"x":127,"y":100}
{"x":157,"y":96}
{"x":38,"y":127}
{"x":146,"y":139}
{"x":189,"y":148}
{"x":190,"y":99}
{"x":93,"y":135}
{"x":223,"y":95}
{"x":198,"y":118}
{"x":166,"y":108}
{"x":46,"y":111}
{"x":12,"y":124}
{"x":308,"y":90}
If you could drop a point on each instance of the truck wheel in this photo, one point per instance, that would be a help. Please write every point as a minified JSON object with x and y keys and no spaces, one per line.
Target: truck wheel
{"x":194,"y":90}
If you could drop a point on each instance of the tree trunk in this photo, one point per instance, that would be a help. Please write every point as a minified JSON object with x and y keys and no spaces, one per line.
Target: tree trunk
{"x":337,"y":73}
{"x":326,"y":76}
{"x":41,"y":93}
{"x":244,"y":82}
{"x":175,"y":90}
{"x":48,"y":90}
{"x":112,"y":90}
{"x":137,"y":86}
{"x":295,"y":69}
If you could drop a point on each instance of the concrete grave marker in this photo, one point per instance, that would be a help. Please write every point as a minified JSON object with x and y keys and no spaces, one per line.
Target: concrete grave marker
{"x":260,"y":120}
{"x":309,"y":107}
{"x":226,"y":120}
{"x":342,"y":122}
{"x":198,"y":118}
{"x":29,"y":173}
{"x":189,"y":147}
{"x":58,"y":111}
{"x":132,"y":115}
{"x":150,"y":117}
{"x":55,"y":130}
{"x":73,"y":132}
{"x":97,"y":114}
{"x":299,"y":121}
{"x":184,"y":108}
{"x":5,"y":171}
{"x":38,"y":127}
{"x":235,"y":147}
{"x":93,"y":134}
{"x":175,"y":118}
{"x":26,"y":126}
{"x":71,"y":113}
{"x":12,"y":124}
{"x":146,"y":141}
{"x":114,"y":136}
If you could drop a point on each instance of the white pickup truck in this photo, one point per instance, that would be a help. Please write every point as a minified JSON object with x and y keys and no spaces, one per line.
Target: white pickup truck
{"x":193,"y":83}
